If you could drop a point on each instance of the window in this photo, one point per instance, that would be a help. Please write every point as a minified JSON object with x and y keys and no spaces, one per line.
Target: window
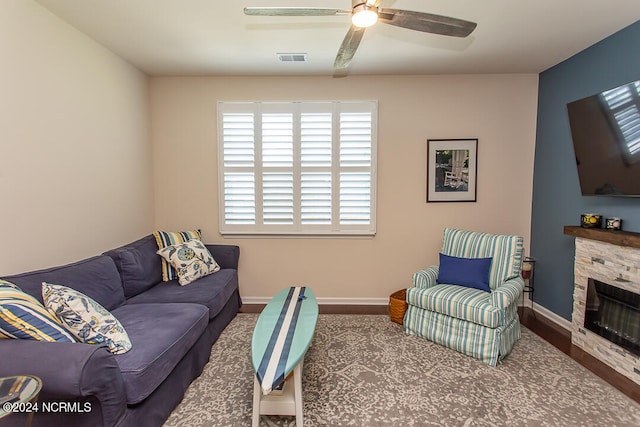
{"x":305,"y":168}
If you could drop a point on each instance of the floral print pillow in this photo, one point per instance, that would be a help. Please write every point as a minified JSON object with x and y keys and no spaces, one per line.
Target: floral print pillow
{"x":84,"y":318}
{"x":191,"y":260}
{"x":168,"y":238}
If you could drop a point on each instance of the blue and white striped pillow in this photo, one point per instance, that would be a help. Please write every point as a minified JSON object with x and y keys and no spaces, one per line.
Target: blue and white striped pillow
{"x":23,"y":317}
{"x":170,"y":238}
{"x":506,"y":251}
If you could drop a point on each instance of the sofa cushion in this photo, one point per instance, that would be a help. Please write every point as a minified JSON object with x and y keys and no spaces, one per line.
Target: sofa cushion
{"x":23,"y":317}
{"x":161,"y":334}
{"x":191,"y":260}
{"x":227,"y":256}
{"x":139,"y":266}
{"x":468,"y":272}
{"x":472,"y":305}
{"x":96,"y":277}
{"x":87,"y":320}
{"x":506,"y":251}
{"x":213,"y":291}
{"x":168,"y":238}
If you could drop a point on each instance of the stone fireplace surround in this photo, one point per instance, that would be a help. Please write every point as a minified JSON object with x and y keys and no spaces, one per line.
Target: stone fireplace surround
{"x":612,"y":257}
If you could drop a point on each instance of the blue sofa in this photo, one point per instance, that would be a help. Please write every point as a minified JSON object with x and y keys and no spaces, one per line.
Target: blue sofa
{"x":171,"y":327}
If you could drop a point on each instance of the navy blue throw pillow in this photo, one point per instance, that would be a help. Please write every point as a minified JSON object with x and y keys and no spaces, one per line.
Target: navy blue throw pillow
{"x":469,"y":272}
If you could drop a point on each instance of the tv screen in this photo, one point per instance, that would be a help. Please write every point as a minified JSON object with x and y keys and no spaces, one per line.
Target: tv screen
{"x":605,"y":129}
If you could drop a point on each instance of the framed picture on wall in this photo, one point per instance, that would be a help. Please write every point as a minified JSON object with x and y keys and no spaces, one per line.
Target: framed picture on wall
{"x":452,"y":170}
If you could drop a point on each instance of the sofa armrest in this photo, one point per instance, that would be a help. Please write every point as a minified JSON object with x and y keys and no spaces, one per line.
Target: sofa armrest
{"x":507,"y":293}
{"x":69,"y":372}
{"x":227,"y":256}
{"x":426,"y":278}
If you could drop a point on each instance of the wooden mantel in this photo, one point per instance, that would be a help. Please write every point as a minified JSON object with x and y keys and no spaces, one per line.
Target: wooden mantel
{"x":620,"y":238}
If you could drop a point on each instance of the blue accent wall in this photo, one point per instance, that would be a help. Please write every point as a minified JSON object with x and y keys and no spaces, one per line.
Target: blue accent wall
{"x":557,"y":200}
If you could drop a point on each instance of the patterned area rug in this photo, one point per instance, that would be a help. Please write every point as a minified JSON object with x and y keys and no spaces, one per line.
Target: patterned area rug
{"x":362,"y":370}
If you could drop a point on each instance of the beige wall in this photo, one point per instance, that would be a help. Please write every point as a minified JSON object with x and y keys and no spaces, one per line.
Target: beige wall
{"x":76,"y":163}
{"x":500,"y":110}
{"x":75,"y":155}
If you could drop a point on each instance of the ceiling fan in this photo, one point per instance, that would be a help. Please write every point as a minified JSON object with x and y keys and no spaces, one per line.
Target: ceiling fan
{"x":366,"y":13}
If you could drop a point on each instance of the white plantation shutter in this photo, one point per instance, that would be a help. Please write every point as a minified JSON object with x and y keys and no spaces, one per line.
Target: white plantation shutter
{"x":316,"y":137}
{"x":297,"y":167}
{"x":355,"y":198}
{"x":239,"y":159}
{"x":277,"y":166}
{"x":277,"y":140}
{"x":315,"y":203}
{"x":355,"y":163}
{"x":277,"y":197}
{"x":239,"y":198}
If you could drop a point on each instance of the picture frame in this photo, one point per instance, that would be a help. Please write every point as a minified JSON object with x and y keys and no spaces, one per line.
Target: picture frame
{"x":452,"y":170}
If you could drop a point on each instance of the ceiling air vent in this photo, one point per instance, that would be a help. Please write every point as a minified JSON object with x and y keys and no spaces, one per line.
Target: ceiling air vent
{"x":292,"y":57}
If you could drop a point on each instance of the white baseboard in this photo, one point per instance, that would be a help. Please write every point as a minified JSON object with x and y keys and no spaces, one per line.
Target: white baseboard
{"x":537,"y":308}
{"x":326,"y":301}
{"x":558,"y":320}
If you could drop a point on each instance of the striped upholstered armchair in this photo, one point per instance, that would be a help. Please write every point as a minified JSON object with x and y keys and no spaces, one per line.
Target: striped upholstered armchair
{"x":469,"y":301}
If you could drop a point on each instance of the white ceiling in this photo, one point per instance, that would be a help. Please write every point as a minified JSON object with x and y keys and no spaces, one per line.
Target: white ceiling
{"x":214,"y":37}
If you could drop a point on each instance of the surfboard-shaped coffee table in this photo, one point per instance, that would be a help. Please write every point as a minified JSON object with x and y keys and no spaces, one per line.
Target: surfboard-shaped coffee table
{"x":282,"y":336}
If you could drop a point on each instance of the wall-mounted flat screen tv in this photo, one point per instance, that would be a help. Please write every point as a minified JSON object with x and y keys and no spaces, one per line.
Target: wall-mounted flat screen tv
{"x":606,"y":138}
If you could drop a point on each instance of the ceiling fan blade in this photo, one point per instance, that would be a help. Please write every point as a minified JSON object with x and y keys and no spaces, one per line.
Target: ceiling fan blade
{"x":348,"y":47}
{"x":295,"y":11}
{"x":426,"y":22}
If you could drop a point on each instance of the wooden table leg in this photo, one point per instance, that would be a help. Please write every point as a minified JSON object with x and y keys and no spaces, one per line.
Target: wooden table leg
{"x":288,"y":403}
{"x":257,"y":396}
{"x":297,"y":383}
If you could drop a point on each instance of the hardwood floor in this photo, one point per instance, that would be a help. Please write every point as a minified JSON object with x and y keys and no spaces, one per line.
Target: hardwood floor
{"x":540,"y":325}
{"x":561,"y":339}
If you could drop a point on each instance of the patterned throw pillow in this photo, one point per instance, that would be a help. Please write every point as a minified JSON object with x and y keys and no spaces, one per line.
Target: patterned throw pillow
{"x":84,"y":318}
{"x":191,"y":260}
{"x":23,"y":317}
{"x":169,"y":238}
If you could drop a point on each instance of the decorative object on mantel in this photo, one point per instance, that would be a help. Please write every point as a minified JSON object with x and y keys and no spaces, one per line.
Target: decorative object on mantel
{"x":452,"y":170}
{"x":591,"y":220}
{"x":614,"y":224}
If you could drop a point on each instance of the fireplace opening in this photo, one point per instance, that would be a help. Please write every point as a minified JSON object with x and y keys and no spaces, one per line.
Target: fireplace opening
{"x":614,"y":314}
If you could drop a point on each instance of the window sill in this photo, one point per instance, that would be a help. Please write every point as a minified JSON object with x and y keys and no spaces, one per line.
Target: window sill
{"x":299,"y":235}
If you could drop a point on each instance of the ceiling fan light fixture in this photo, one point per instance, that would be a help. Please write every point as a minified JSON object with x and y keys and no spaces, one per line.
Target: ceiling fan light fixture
{"x":364,"y":15}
